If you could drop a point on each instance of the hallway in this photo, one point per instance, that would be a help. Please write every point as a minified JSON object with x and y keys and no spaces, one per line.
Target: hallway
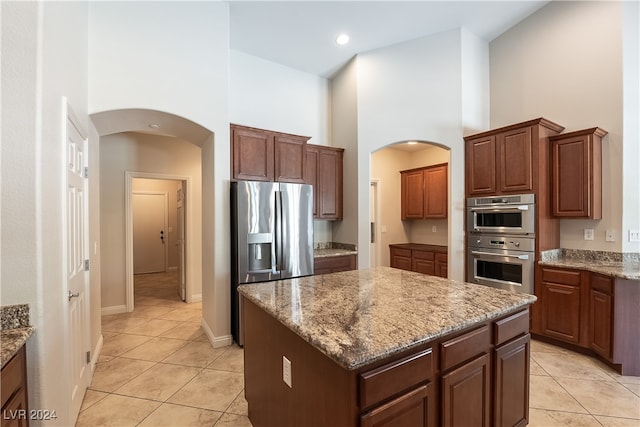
{"x":157,"y":368}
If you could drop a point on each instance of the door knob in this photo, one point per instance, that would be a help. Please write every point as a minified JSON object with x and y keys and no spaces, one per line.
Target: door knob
{"x":72,"y":295}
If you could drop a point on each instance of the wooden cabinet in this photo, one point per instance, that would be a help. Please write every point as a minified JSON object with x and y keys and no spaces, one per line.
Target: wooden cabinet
{"x":14,"y":391}
{"x":560,"y":298}
{"x":324,"y":172}
{"x":509,"y":160}
{"x":424,"y":193}
{"x":416,"y":408}
{"x":334,"y":264}
{"x":601,"y":314}
{"x":425,"y":259}
{"x":511,"y":373}
{"x":576,"y":180}
{"x":263,"y":155}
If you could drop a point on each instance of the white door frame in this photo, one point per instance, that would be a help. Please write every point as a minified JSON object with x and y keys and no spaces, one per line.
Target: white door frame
{"x":377,"y":235}
{"x":128,"y":208}
{"x":165,"y":224}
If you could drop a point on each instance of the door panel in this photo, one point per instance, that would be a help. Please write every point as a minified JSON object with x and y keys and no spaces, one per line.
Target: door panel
{"x":149,"y":233}
{"x":180,"y":243}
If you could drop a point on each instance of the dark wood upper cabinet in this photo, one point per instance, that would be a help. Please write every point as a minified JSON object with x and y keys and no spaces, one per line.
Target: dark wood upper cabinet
{"x":264,"y":155}
{"x":576,"y":160}
{"x":324,"y":172}
{"x":509,"y":160}
{"x":424,"y":192}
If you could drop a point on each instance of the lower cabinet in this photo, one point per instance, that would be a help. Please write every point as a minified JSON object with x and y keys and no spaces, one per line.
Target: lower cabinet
{"x":601,"y":315}
{"x":425,"y":259}
{"x":560,"y":295}
{"x":14,"y":391}
{"x":466,"y":394}
{"x":511,"y":373}
{"x":334,"y":264}
{"x":414,"y":408}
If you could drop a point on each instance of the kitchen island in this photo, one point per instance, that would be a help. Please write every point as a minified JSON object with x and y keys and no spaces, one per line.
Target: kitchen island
{"x":384,"y":347}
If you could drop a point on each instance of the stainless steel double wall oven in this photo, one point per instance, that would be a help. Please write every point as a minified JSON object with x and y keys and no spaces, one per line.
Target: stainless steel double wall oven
{"x":501,"y":241}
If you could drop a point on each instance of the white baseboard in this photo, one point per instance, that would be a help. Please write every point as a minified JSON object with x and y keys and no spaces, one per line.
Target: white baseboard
{"x":196,"y":298}
{"x":216,"y":342}
{"x":95,"y":354}
{"x":172,"y":268}
{"x":114,"y":309}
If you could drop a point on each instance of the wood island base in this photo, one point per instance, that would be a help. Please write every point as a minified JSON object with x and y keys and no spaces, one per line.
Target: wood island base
{"x":475,"y":376}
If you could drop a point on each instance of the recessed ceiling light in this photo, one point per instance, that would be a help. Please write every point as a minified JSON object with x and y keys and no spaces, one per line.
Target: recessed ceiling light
{"x":154,"y":126}
{"x":342,"y":39}
{"x":412,"y":142}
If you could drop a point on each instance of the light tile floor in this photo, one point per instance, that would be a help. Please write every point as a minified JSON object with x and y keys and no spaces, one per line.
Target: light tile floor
{"x":157,"y":368}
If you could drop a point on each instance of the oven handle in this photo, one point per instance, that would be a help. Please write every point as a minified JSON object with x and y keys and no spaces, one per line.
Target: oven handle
{"x":500,"y":255}
{"x":501,"y":209}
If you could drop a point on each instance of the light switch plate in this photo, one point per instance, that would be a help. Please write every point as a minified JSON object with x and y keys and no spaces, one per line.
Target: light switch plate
{"x":634,"y":235}
{"x":610,"y":236}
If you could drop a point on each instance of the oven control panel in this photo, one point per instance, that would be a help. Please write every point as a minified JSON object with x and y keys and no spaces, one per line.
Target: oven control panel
{"x":502,"y":242}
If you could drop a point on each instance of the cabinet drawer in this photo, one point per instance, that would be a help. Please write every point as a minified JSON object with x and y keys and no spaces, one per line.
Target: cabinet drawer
{"x":464,"y":347}
{"x":13,"y":376}
{"x":603,"y":284}
{"x":423,"y":255}
{"x":387,"y":380}
{"x":400,"y":252}
{"x":512,"y":326}
{"x":566,"y":277}
{"x":441,"y":257}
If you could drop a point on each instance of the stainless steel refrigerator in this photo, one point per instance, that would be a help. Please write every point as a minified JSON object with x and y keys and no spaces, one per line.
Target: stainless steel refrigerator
{"x":271,"y":236}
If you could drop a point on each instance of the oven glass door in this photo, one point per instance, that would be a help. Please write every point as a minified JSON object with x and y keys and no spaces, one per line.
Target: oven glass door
{"x":511,"y":270}
{"x":513,"y":220}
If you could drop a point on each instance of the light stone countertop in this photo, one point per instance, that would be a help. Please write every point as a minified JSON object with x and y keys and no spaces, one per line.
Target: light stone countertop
{"x":623,"y":266}
{"x":16,"y":330}
{"x":324,"y":253}
{"x":361,"y":316}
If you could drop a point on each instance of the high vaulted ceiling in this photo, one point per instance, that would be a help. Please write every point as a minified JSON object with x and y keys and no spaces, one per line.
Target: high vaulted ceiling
{"x":301,"y":34}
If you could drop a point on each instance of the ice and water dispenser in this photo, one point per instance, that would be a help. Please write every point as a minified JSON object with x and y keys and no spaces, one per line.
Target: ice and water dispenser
{"x":259,"y":255}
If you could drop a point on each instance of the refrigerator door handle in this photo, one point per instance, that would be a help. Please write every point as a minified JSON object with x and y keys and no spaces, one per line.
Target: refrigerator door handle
{"x":277,"y":246}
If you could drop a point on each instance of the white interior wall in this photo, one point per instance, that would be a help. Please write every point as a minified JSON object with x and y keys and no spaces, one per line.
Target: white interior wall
{"x":137,"y":152}
{"x":564,"y":63}
{"x":414,"y":91}
{"x":44,"y":59}
{"x":134,"y":62}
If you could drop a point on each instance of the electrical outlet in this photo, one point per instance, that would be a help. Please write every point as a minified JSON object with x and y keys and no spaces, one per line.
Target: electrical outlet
{"x":610,"y":236}
{"x":634,"y":235}
{"x":588,"y":234}
{"x":433,"y":228}
{"x":286,"y":371}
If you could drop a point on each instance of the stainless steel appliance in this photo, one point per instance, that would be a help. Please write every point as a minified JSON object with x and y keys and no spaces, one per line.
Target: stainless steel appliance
{"x":502,"y":214}
{"x":505,"y":262}
{"x":271,"y":236}
{"x":501,"y":241}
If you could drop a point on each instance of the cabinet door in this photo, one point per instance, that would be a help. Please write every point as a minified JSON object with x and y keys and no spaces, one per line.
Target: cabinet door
{"x":423,"y":262}
{"x":601,"y":314}
{"x":436,"y":189}
{"x":400,"y":258}
{"x":561,"y":311}
{"x":570,"y":159}
{"x":480,"y":160}
{"x":514,"y":151}
{"x":252,"y":152}
{"x":466,"y":393}
{"x":413,"y":409}
{"x":311,"y":175}
{"x":511,"y":404}
{"x":412,"y":195}
{"x":441,"y":265}
{"x":290,"y":158}
{"x":330,"y":184}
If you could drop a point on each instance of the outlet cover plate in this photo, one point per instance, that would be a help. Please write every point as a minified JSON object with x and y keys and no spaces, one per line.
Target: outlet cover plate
{"x":286,"y":371}
{"x":588,"y":234}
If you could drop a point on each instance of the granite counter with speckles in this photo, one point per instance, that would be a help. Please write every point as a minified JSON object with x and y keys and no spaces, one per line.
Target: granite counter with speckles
{"x":358,"y":317}
{"x":614,"y":264}
{"x":16,"y":330}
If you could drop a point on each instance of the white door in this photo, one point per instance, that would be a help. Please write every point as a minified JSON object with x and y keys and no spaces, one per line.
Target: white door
{"x":149,"y":232}
{"x":77,"y":322}
{"x":180,"y":243}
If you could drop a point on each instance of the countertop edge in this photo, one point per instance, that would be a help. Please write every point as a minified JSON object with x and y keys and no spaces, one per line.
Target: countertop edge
{"x":12,"y":340}
{"x":611,"y":271}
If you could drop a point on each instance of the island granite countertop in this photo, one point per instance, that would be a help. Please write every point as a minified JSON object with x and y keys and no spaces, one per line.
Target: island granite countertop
{"x":358,"y":317}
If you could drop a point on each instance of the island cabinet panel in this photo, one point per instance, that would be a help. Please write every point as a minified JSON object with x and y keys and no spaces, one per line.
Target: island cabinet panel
{"x":415,"y":408}
{"x":466,"y":394}
{"x":511,"y":373}
{"x":264,"y":155}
